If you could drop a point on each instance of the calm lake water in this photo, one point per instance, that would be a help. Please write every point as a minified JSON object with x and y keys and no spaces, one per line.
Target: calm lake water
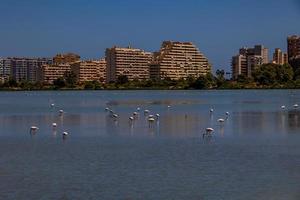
{"x":254,"y":154}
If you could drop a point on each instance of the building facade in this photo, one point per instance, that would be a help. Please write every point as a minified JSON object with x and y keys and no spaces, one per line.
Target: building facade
{"x":49,"y":73}
{"x":239,"y":65}
{"x":248,"y":59}
{"x":293,"y":46}
{"x":61,"y":64}
{"x":178,"y":60}
{"x":134,"y":63}
{"x":5,"y":69}
{"x":89,"y":70}
{"x":23,"y":69}
{"x":280,"y":57}
{"x":66,"y":58}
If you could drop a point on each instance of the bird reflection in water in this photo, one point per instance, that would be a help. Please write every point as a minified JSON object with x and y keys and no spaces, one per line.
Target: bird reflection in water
{"x":54,"y":133}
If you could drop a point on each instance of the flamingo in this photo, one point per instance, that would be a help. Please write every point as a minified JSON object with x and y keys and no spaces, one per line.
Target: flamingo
{"x":54,"y":125}
{"x":150,"y":120}
{"x":61,"y":112}
{"x":65,"y":135}
{"x":208,"y":132}
{"x":221,"y":120}
{"x":146,"y":112}
{"x":33,"y":129}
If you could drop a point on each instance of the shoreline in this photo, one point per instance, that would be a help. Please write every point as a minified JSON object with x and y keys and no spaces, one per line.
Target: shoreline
{"x":143,"y":89}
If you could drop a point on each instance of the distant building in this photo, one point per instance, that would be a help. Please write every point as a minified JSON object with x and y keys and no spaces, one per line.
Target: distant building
{"x":89,"y":70}
{"x":248,"y":59}
{"x":49,"y":73}
{"x":23,"y":69}
{"x":293,"y":46}
{"x":134,"y":63}
{"x":280,"y":57}
{"x":239,"y":65}
{"x":66,"y":58}
{"x":177,"y":60}
{"x":5,"y":69}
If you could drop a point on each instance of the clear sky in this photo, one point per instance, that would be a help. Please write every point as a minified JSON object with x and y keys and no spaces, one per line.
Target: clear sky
{"x":219,"y":28}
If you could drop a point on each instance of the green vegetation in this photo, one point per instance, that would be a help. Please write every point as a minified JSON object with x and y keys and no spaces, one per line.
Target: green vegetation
{"x":267,"y":76}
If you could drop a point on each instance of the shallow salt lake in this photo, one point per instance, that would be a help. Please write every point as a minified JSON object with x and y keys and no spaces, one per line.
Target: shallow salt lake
{"x":254,"y":153}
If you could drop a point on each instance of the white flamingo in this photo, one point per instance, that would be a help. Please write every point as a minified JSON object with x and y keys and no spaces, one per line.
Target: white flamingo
{"x":33,"y":129}
{"x":54,"y":125}
{"x":61,"y":112}
{"x":65,"y":135}
{"x":221,"y":120}
{"x":151,"y":120}
{"x":208,"y":133}
{"x":146,"y":112}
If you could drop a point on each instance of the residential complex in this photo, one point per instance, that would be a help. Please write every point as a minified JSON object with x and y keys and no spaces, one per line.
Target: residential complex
{"x":5,"y":69}
{"x":280,"y":57}
{"x":22,"y":69}
{"x":89,"y":70}
{"x":293,"y":46}
{"x":134,"y":63}
{"x":66,"y":58}
{"x":177,"y":60}
{"x":174,"y":60}
{"x":248,"y":58}
{"x":61,"y":64}
{"x":49,"y":73}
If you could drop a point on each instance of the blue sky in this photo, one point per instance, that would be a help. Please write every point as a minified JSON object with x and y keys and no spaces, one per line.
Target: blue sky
{"x":87,"y":27}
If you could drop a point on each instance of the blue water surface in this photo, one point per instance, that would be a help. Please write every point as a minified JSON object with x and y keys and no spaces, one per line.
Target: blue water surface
{"x":253,"y":155}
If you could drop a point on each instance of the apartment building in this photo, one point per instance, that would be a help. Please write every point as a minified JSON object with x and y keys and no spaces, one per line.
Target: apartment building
{"x":134,"y":63}
{"x":280,"y":57}
{"x":49,"y":73}
{"x":293,"y":46}
{"x":66,"y":58}
{"x":94,"y":70}
{"x":23,"y":69}
{"x":177,"y":60}
{"x":248,"y":59}
{"x":5,"y":69}
{"x":239,"y":65}
{"x":61,"y":64}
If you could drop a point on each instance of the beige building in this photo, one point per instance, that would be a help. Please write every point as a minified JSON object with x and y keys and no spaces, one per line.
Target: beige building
{"x":239,"y":65}
{"x":248,"y":59}
{"x":280,"y":57}
{"x":177,"y":60}
{"x":66,"y":58}
{"x":61,"y":64}
{"x":49,"y":73}
{"x":89,"y":70}
{"x":134,"y":63}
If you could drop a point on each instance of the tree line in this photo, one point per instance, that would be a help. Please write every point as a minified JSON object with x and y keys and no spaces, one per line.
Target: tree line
{"x":266,"y":76}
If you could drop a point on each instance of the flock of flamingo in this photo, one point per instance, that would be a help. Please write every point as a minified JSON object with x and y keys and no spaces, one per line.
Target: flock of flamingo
{"x":151,"y":118}
{"x":34,"y":129}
